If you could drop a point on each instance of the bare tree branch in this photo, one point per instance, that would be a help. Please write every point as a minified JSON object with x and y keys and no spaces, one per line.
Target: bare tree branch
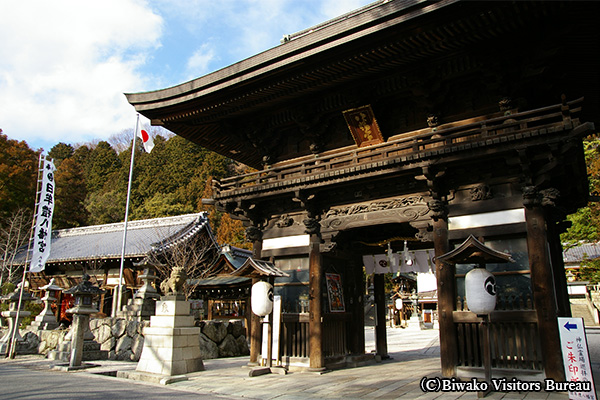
{"x":195,"y":255}
{"x":14,"y":233}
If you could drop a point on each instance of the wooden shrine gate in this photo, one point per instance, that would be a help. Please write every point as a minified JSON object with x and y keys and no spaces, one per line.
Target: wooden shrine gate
{"x":406,"y":119}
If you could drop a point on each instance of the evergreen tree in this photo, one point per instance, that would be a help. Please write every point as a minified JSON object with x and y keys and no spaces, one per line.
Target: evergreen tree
{"x":60,"y":152}
{"x":105,"y":207}
{"x":71,"y":191}
{"x":103,"y":166}
{"x":82,"y":156}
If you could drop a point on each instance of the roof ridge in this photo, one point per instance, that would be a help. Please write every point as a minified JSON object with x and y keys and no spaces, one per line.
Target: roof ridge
{"x":138,"y":224}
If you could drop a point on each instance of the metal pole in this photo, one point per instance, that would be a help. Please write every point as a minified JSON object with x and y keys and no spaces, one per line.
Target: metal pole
{"x":12,"y":345}
{"x":117,"y":297}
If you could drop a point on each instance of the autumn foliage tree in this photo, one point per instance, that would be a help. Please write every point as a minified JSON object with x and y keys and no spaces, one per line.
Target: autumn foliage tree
{"x":18,"y":175}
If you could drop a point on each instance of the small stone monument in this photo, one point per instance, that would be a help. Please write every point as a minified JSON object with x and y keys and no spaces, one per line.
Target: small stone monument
{"x":46,"y":320}
{"x":171,"y":342}
{"x":13,"y":323}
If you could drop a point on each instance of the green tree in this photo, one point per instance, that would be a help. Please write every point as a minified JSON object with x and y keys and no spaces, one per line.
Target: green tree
{"x":105,"y":207}
{"x":60,"y":152}
{"x":585,"y":223}
{"x":71,"y":192}
{"x":162,"y":205}
{"x":102,"y":166}
{"x":81,"y":155}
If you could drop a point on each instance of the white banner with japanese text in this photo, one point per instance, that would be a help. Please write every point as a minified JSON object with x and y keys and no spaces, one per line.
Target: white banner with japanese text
{"x":43,"y":223}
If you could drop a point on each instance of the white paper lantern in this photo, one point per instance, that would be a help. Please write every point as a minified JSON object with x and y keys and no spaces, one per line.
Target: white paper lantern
{"x":262,"y":298}
{"x":398,"y":304}
{"x":480,"y":290}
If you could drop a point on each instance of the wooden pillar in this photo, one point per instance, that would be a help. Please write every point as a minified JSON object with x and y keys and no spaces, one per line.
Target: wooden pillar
{"x":357,"y":325}
{"x":255,"y":328}
{"x":446,"y":289}
{"x":542,"y":284}
{"x":315,"y":270}
{"x":558,"y":270}
{"x":381,"y":310}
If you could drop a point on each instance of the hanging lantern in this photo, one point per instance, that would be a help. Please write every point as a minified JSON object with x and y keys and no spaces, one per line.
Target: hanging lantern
{"x":262,"y":298}
{"x":480,"y":290}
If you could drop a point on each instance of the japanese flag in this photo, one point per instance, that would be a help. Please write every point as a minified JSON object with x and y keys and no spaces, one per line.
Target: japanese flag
{"x":146,"y":138}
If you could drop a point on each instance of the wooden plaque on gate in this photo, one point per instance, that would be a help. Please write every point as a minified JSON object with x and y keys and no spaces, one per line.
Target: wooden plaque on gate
{"x":363,"y":126}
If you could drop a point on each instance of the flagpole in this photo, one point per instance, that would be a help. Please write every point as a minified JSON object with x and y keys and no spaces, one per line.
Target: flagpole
{"x":118,"y":297}
{"x":12,"y":345}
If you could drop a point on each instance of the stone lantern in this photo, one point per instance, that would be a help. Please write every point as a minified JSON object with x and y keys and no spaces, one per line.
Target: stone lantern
{"x":84,"y":294}
{"x":11,"y":315}
{"x":46,"y":320}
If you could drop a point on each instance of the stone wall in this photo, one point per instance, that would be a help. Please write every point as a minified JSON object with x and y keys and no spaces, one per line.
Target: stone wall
{"x":124,"y":339}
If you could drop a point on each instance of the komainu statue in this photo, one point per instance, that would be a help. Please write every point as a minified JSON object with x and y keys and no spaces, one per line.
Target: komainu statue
{"x":174,"y":283}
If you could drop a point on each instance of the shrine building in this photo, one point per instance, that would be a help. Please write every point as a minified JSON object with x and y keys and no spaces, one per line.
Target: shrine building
{"x":415,"y":121}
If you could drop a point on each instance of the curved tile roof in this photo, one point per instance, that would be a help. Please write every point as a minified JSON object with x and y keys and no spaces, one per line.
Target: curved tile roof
{"x":106,"y":241}
{"x":576,"y":254}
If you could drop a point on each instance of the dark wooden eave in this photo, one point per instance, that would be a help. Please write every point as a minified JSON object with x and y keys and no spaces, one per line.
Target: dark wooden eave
{"x":509,"y":46}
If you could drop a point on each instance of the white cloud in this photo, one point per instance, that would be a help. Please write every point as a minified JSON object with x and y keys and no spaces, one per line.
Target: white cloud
{"x":65,"y":65}
{"x":199,"y":63}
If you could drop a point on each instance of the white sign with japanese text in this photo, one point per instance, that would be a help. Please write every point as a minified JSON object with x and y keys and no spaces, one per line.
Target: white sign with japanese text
{"x":43,"y":223}
{"x":576,"y":359}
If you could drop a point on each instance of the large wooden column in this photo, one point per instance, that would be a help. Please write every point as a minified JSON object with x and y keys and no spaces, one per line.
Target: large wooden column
{"x":558,"y":269}
{"x":315,"y":295}
{"x":255,"y":329}
{"x":542,"y":283}
{"x":446,"y":289}
{"x":380,"y":321}
{"x":357,"y":326}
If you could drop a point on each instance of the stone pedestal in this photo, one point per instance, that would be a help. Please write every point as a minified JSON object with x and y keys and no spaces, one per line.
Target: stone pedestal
{"x":171,"y":342}
{"x":13,"y":322}
{"x":89,"y":350}
{"x":13,"y":327}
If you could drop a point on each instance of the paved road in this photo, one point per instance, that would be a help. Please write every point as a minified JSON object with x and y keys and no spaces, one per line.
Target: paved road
{"x":34,"y":380}
{"x":415,"y":354}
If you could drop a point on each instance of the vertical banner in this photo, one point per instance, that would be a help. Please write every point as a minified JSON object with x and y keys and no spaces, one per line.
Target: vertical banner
{"x":576,"y":358}
{"x":43,"y":223}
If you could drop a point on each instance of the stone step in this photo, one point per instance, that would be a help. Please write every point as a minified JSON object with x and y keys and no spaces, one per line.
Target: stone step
{"x":583,"y":311}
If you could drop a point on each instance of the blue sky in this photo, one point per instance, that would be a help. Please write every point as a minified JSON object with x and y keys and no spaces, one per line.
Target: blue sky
{"x":65,"y":64}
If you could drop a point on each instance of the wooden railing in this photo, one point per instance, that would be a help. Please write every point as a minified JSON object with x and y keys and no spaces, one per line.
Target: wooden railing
{"x":406,"y":147}
{"x":513,"y":334}
{"x":295,"y":337}
{"x":335,"y":340}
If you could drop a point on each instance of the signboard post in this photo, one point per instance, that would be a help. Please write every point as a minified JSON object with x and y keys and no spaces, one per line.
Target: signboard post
{"x":576,"y":358}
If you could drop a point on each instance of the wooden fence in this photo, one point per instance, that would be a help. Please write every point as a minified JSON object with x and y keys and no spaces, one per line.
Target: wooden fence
{"x":294,"y":340}
{"x":514,"y":336}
